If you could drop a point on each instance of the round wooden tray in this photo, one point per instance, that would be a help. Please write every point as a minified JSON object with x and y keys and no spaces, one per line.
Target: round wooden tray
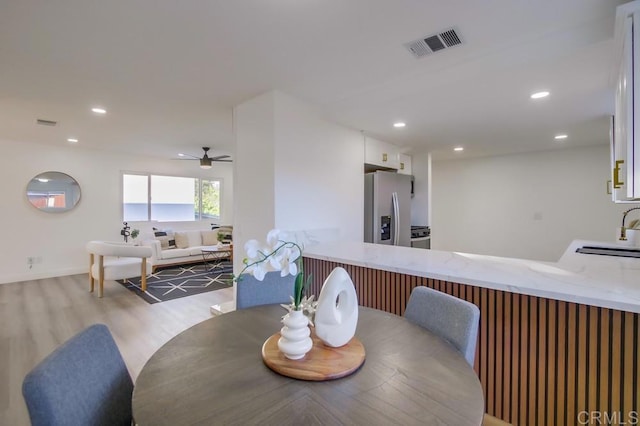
{"x":320,"y":363}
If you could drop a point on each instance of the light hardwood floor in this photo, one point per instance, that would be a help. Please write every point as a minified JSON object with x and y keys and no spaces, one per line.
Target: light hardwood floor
{"x":36,"y":316}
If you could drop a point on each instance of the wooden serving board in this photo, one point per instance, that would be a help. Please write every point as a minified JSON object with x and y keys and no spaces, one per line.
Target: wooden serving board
{"x":320,"y":363}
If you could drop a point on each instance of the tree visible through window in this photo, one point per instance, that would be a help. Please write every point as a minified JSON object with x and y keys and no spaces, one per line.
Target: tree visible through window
{"x":210,"y":201}
{"x":169,"y":198}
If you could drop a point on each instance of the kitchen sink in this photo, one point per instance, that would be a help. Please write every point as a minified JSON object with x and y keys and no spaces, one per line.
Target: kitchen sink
{"x":610,"y":251}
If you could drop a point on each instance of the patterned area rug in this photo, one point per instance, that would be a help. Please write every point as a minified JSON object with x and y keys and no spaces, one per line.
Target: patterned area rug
{"x":182,"y":281}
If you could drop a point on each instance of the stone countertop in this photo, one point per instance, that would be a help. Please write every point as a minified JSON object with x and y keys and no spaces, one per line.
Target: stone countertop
{"x":604,"y":281}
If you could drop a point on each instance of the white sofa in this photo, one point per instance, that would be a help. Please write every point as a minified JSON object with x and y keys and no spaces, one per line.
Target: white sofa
{"x":187,"y":248}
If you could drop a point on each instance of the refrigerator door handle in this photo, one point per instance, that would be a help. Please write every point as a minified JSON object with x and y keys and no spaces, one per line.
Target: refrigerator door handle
{"x":396,"y":227}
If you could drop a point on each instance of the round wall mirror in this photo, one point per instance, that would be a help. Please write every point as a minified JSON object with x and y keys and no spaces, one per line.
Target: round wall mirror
{"x":53,"y":192}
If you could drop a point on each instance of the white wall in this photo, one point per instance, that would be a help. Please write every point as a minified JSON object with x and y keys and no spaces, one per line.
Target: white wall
{"x":319,"y":172}
{"x":59,"y":238}
{"x":420,"y":205}
{"x":254,"y":209}
{"x":295,"y":171}
{"x":526,"y":205}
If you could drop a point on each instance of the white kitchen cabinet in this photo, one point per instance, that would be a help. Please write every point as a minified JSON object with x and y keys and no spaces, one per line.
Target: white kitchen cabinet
{"x":404,"y":164}
{"x":625,"y":138}
{"x":380,"y":153}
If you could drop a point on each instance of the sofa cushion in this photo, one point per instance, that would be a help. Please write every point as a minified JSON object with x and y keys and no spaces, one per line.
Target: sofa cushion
{"x":177,"y":252}
{"x":195,"y":251}
{"x":186,"y":239}
{"x":166,"y":238}
{"x":209,"y":238}
{"x":195,"y":238}
{"x":182,"y":240}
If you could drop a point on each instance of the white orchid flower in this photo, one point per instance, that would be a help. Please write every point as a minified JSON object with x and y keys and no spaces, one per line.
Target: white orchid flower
{"x":259,"y":271}
{"x":252,"y":248}
{"x":273,"y":238}
{"x":294,"y":254}
{"x":276,"y":262}
{"x":289,"y":268}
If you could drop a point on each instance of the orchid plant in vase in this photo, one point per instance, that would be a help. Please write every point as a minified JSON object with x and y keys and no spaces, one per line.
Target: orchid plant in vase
{"x":282,"y":254}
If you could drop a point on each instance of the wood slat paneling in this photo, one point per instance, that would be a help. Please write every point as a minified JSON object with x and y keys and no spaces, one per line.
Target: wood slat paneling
{"x":540,"y":361}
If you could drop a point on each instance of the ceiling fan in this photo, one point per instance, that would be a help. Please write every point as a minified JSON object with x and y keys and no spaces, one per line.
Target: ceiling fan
{"x":205,"y":161}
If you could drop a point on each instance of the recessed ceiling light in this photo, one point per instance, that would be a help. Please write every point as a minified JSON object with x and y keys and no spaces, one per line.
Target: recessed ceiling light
{"x":180,"y":154}
{"x":539,"y":95}
{"x":99,"y":110}
{"x":399,"y":124}
{"x":559,"y":137}
{"x":458,"y":148}
{"x":72,"y":140}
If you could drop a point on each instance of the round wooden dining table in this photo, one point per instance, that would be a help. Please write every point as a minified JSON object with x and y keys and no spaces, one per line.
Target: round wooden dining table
{"x":213,"y":374}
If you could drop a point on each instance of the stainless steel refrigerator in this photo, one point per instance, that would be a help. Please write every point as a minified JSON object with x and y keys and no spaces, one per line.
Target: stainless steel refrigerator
{"x":387,"y":208}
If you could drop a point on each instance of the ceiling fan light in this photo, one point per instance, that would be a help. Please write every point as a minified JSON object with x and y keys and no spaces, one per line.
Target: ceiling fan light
{"x":205,"y":162}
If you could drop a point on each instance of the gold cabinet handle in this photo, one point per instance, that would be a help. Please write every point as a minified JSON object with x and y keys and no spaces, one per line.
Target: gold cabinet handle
{"x":401,"y":166}
{"x":617,"y":183}
{"x":609,"y":187}
{"x":384,"y":156}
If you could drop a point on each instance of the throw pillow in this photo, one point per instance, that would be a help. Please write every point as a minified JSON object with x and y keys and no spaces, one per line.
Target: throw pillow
{"x":209,"y":238}
{"x":182,"y":239}
{"x":166,"y":238}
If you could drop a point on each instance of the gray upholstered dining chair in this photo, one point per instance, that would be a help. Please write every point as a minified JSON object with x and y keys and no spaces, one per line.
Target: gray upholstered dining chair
{"x":453,"y":319}
{"x":83,"y":382}
{"x":273,"y":289}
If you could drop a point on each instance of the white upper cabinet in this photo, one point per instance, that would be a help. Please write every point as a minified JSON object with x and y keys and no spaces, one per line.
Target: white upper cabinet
{"x":380,"y":153}
{"x":625,"y":138}
{"x":404,"y":164}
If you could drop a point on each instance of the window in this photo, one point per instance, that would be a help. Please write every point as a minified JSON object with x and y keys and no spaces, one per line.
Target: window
{"x":209,"y":207}
{"x":169,"y":198}
{"x":135,"y":197}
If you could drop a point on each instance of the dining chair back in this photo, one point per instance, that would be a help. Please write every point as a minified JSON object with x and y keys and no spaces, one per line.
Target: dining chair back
{"x":273,"y":289}
{"x":83,"y":382}
{"x":453,"y":319}
{"x":116,"y":261}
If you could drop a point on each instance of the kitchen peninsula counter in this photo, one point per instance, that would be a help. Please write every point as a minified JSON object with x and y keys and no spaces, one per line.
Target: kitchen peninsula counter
{"x":556,"y":339}
{"x":604,"y":281}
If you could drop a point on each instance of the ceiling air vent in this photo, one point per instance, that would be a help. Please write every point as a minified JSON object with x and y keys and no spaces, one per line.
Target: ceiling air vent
{"x":46,"y":122}
{"x":433,"y":43}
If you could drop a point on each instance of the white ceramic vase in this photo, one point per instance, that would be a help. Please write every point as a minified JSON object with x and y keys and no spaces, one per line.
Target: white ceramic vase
{"x":295,"y":340}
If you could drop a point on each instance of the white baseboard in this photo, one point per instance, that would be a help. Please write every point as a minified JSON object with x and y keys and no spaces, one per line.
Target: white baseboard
{"x":6,"y":279}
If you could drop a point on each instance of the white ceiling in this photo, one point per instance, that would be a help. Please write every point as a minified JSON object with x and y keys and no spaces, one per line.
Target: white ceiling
{"x":169,"y":72}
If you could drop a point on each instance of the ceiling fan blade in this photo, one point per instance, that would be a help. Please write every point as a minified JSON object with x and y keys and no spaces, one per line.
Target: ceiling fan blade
{"x":220,"y":157}
{"x":191,"y":157}
{"x":223,"y":161}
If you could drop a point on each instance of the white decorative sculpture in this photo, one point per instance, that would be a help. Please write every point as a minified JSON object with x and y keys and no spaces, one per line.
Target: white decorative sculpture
{"x":337,"y":312}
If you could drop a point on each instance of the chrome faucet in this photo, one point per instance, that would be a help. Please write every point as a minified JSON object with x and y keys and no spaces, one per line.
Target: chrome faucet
{"x":623,"y":230}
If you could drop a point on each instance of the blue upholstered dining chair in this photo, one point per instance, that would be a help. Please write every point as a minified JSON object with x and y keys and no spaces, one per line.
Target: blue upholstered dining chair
{"x":453,"y":319}
{"x":83,"y":382}
{"x":273,"y":289}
